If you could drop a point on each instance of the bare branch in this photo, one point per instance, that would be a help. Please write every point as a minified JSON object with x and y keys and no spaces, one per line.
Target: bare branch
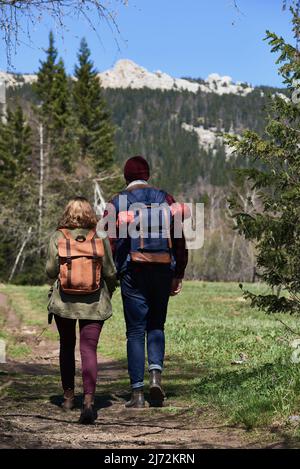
{"x":19,"y":17}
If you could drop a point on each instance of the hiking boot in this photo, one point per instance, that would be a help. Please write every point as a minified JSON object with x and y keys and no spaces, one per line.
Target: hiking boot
{"x":157,"y":394}
{"x":137,"y":400}
{"x":69,"y":400}
{"x":88,"y":413}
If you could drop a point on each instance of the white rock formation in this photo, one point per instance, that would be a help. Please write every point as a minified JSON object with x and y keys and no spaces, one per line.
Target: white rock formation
{"x":127,"y":74}
{"x":12,"y":79}
{"x":209,"y":139}
{"x":224,"y":85}
{"x":282,"y":96}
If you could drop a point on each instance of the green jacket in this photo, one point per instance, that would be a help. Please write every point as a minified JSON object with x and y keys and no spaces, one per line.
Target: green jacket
{"x":96,"y":305}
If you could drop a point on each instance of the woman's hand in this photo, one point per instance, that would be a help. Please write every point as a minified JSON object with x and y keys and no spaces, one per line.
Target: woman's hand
{"x":176,"y":286}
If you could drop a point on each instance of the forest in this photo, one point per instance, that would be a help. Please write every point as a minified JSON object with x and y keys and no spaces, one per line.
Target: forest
{"x":62,"y":136}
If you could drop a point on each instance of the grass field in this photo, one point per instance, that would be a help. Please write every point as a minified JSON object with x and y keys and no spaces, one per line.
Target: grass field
{"x":220,"y":353}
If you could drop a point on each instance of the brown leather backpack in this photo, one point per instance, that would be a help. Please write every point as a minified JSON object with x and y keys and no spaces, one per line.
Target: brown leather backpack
{"x":80,"y":262}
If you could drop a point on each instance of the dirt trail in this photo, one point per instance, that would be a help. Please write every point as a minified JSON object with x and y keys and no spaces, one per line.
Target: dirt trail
{"x":31,"y":417}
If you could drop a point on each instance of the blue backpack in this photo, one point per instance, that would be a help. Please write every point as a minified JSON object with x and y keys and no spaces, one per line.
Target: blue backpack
{"x":149,"y":231}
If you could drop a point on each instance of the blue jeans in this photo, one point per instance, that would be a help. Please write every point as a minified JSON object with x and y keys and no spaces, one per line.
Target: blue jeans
{"x":145,"y":294}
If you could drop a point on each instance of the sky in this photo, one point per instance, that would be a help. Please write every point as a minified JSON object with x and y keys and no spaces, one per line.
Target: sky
{"x":180,"y":37}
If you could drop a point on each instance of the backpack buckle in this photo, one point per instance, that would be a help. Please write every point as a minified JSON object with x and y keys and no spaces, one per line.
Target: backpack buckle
{"x":69,"y":262}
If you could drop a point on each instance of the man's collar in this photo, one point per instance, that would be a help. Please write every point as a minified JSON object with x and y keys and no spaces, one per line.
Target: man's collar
{"x":136,"y":182}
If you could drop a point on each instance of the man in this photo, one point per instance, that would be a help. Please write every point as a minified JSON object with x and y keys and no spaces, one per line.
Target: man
{"x":145,"y":286}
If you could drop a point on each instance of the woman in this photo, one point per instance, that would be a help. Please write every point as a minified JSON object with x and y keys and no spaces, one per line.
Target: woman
{"x":90,"y":304}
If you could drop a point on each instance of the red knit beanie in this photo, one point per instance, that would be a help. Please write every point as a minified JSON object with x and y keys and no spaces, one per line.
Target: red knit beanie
{"x":136,"y":168}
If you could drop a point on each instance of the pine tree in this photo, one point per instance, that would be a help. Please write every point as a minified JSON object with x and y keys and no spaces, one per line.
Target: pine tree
{"x":53,"y":92}
{"x":44,"y":87}
{"x":17,"y":187}
{"x":275,"y":173}
{"x":15,"y":148}
{"x":95,"y":131}
{"x":64,"y":145}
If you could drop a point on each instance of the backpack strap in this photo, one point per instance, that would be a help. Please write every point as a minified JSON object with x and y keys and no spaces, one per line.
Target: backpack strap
{"x":67,"y":235}
{"x":130,"y":197}
{"x":91,"y":234}
{"x":95,"y":259}
{"x":91,"y":237}
{"x":162,"y":197}
{"x":65,"y":232}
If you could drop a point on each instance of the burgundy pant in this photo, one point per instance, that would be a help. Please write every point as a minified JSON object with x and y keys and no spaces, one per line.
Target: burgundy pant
{"x":89,"y":336}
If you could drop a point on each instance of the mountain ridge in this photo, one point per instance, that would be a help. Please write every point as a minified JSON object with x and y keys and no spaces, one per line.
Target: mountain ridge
{"x":128,"y":74}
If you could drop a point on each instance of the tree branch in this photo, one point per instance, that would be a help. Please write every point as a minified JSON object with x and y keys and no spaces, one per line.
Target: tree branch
{"x":13,"y":13}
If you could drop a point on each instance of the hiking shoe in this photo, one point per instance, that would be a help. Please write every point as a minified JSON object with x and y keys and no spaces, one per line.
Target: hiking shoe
{"x":88,"y":414}
{"x":137,"y":400}
{"x":157,"y":394}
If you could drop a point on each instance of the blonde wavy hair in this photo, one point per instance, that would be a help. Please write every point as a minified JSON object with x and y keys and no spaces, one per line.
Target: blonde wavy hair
{"x":78,"y":213}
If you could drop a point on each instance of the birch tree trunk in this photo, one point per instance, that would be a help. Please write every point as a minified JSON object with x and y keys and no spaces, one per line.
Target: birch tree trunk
{"x":20,"y":254}
{"x":41,"y":181}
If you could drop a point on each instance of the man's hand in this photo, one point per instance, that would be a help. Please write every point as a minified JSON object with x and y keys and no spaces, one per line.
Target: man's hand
{"x":176,"y":286}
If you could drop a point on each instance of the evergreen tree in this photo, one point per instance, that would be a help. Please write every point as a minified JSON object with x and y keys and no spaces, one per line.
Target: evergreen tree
{"x":95,"y":131}
{"x":275,"y":173}
{"x":15,"y":148}
{"x":44,"y":87}
{"x":53,"y":92}
{"x":17,"y":187}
